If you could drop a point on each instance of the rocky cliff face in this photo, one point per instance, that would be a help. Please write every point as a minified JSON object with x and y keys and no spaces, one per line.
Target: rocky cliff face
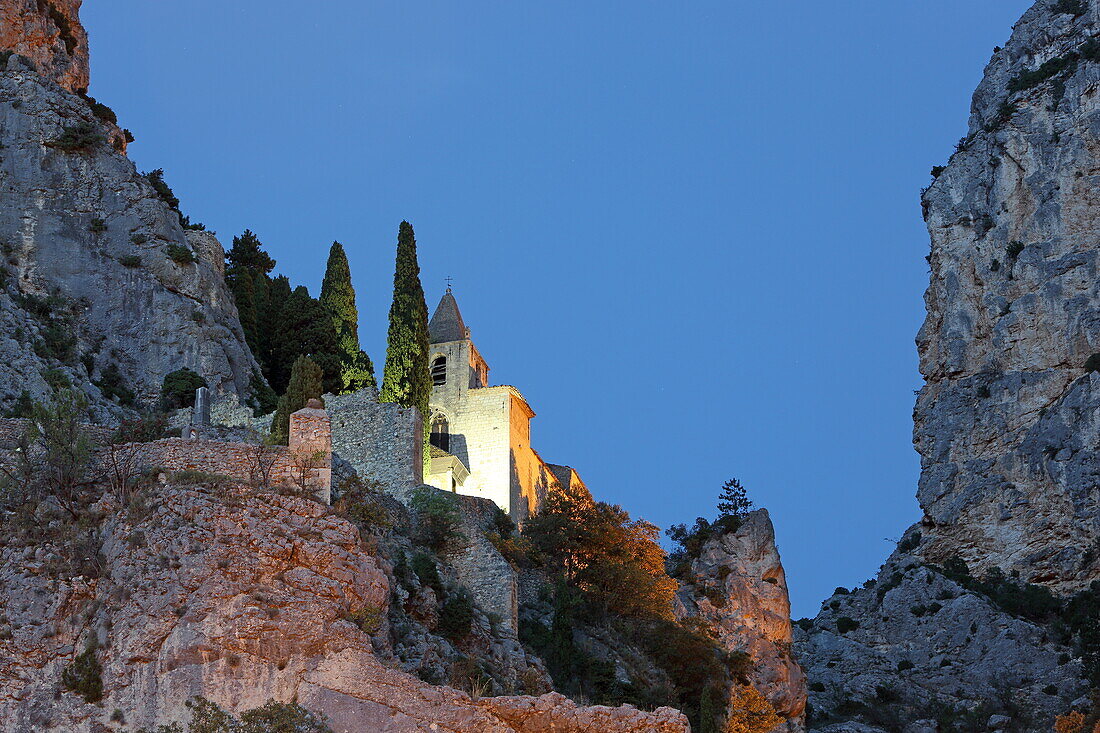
{"x":740,"y":594}
{"x":237,"y":597}
{"x":101,"y":286}
{"x":49,"y":33}
{"x":1008,"y":421}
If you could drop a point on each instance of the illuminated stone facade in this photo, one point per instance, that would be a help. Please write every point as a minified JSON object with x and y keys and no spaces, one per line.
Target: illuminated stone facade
{"x":481,"y":433}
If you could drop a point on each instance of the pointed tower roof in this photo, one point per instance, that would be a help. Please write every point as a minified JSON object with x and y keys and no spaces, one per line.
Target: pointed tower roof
{"x":447,"y":323}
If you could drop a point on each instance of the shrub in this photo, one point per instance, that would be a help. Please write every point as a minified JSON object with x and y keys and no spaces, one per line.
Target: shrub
{"x":750,"y":712}
{"x":844,"y":624}
{"x":1014,"y":249}
{"x":180,"y":255}
{"x":186,"y":223}
{"x":100,"y":110}
{"x":139,"y":239}
{"x":178,"y":389}
{"x":911,"y":542}
{"x":57,"y":342}
{"x":367,"y":618}
{"x":425,"y":569}
{"x":1025,"y":600}
{"x":78,"y":137}
{"x":56,"y":379}
{"x":904,"y":665}
{"x":164,"y":193}
{"x":273,"y":717}
{"x":937,"y":170}
{"x":1048,"y":70}
{"x":130,"y":260}
{"x":361,"y":502}
{"x":113,"y":386}
{"x":817,"y":687}
{"x":23,"y":406}
{"x":142,"y":430}
{"x":98,"y":226}
{"x":84,"y":675}
{"x":457,"y":617}
{"x":437,"y":516}
{"x":1092,"y":364}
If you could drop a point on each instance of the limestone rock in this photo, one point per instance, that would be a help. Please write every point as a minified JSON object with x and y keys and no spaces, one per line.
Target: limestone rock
{"x":49,"y":33}
{"x":238,"y":597}
{"x":1008,"y":420}
{"x":554,"y":712}
{"x":85,"y":244}
{"x":924,"y":644}
{"x":740,"y":592}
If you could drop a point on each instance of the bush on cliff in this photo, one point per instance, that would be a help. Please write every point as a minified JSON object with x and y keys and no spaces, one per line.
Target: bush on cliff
{"x":77,"y":138}
{"x":437,"y":517}
{"x":733,"y":505}
{"x":178,"y":389}
{"x":84,"y":675}
{"x":273,"y":717}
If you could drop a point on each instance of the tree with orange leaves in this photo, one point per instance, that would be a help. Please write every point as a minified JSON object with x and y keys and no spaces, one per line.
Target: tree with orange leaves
{"x":613,"y":560}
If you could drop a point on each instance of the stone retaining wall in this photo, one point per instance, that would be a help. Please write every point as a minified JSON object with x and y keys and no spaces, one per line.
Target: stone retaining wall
{"x":383,"y":441}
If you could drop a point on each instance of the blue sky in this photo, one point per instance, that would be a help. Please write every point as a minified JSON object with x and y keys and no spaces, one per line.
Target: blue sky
{"x":690,"y":233}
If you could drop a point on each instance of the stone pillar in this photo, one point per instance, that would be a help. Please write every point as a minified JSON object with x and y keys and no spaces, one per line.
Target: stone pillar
{"x":200,"y":415}
{"x":311,"y":449}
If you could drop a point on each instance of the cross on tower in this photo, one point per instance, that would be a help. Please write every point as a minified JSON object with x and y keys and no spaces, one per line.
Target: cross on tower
{"x":448,"y":279}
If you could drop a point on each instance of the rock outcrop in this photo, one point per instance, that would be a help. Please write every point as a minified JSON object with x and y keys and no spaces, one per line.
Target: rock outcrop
{"x":238,"y":597}
{"x":740,"y":594}
{"x":101,"y":286}
{"x":50,"y":35}
{"x":1008,"y":421}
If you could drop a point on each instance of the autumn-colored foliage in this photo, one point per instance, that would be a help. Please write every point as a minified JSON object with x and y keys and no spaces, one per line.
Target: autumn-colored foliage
{"x":749,"y":711}
{"x":613,"y":560}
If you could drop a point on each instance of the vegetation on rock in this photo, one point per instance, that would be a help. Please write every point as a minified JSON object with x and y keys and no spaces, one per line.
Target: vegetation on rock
{"x":273,"y":717}
{"x":178,"y":389}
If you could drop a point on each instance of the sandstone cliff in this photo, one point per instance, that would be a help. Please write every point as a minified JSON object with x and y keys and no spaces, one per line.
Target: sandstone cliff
{"x":1008,"y":419}
{"x":49,"y":33}
{"x":100,"y":285}
{"x":212,"y":590}
{"x":739,"y":591}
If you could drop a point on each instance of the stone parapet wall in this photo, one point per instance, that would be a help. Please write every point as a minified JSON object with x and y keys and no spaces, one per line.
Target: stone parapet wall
{"x":306,"y":462}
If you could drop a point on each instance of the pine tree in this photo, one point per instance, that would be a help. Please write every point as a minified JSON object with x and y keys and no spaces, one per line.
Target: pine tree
{"x":305,"y":384}
{"x":269,"y":321}
{"x":405,"y":379}
{"x":240,"y":284}
{"x":247,"y":251}
{"x":338,"y":298}
{"x":733,"y":501}
{"x":304,"y":327}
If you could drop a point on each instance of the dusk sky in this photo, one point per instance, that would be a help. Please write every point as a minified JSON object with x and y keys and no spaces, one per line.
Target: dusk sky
{"x":689,"y":233}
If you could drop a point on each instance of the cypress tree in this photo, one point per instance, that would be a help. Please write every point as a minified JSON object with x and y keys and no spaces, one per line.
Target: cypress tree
{"x":405,"y":379}
{"x":338,"y":298}
{"x":305,"y":384}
